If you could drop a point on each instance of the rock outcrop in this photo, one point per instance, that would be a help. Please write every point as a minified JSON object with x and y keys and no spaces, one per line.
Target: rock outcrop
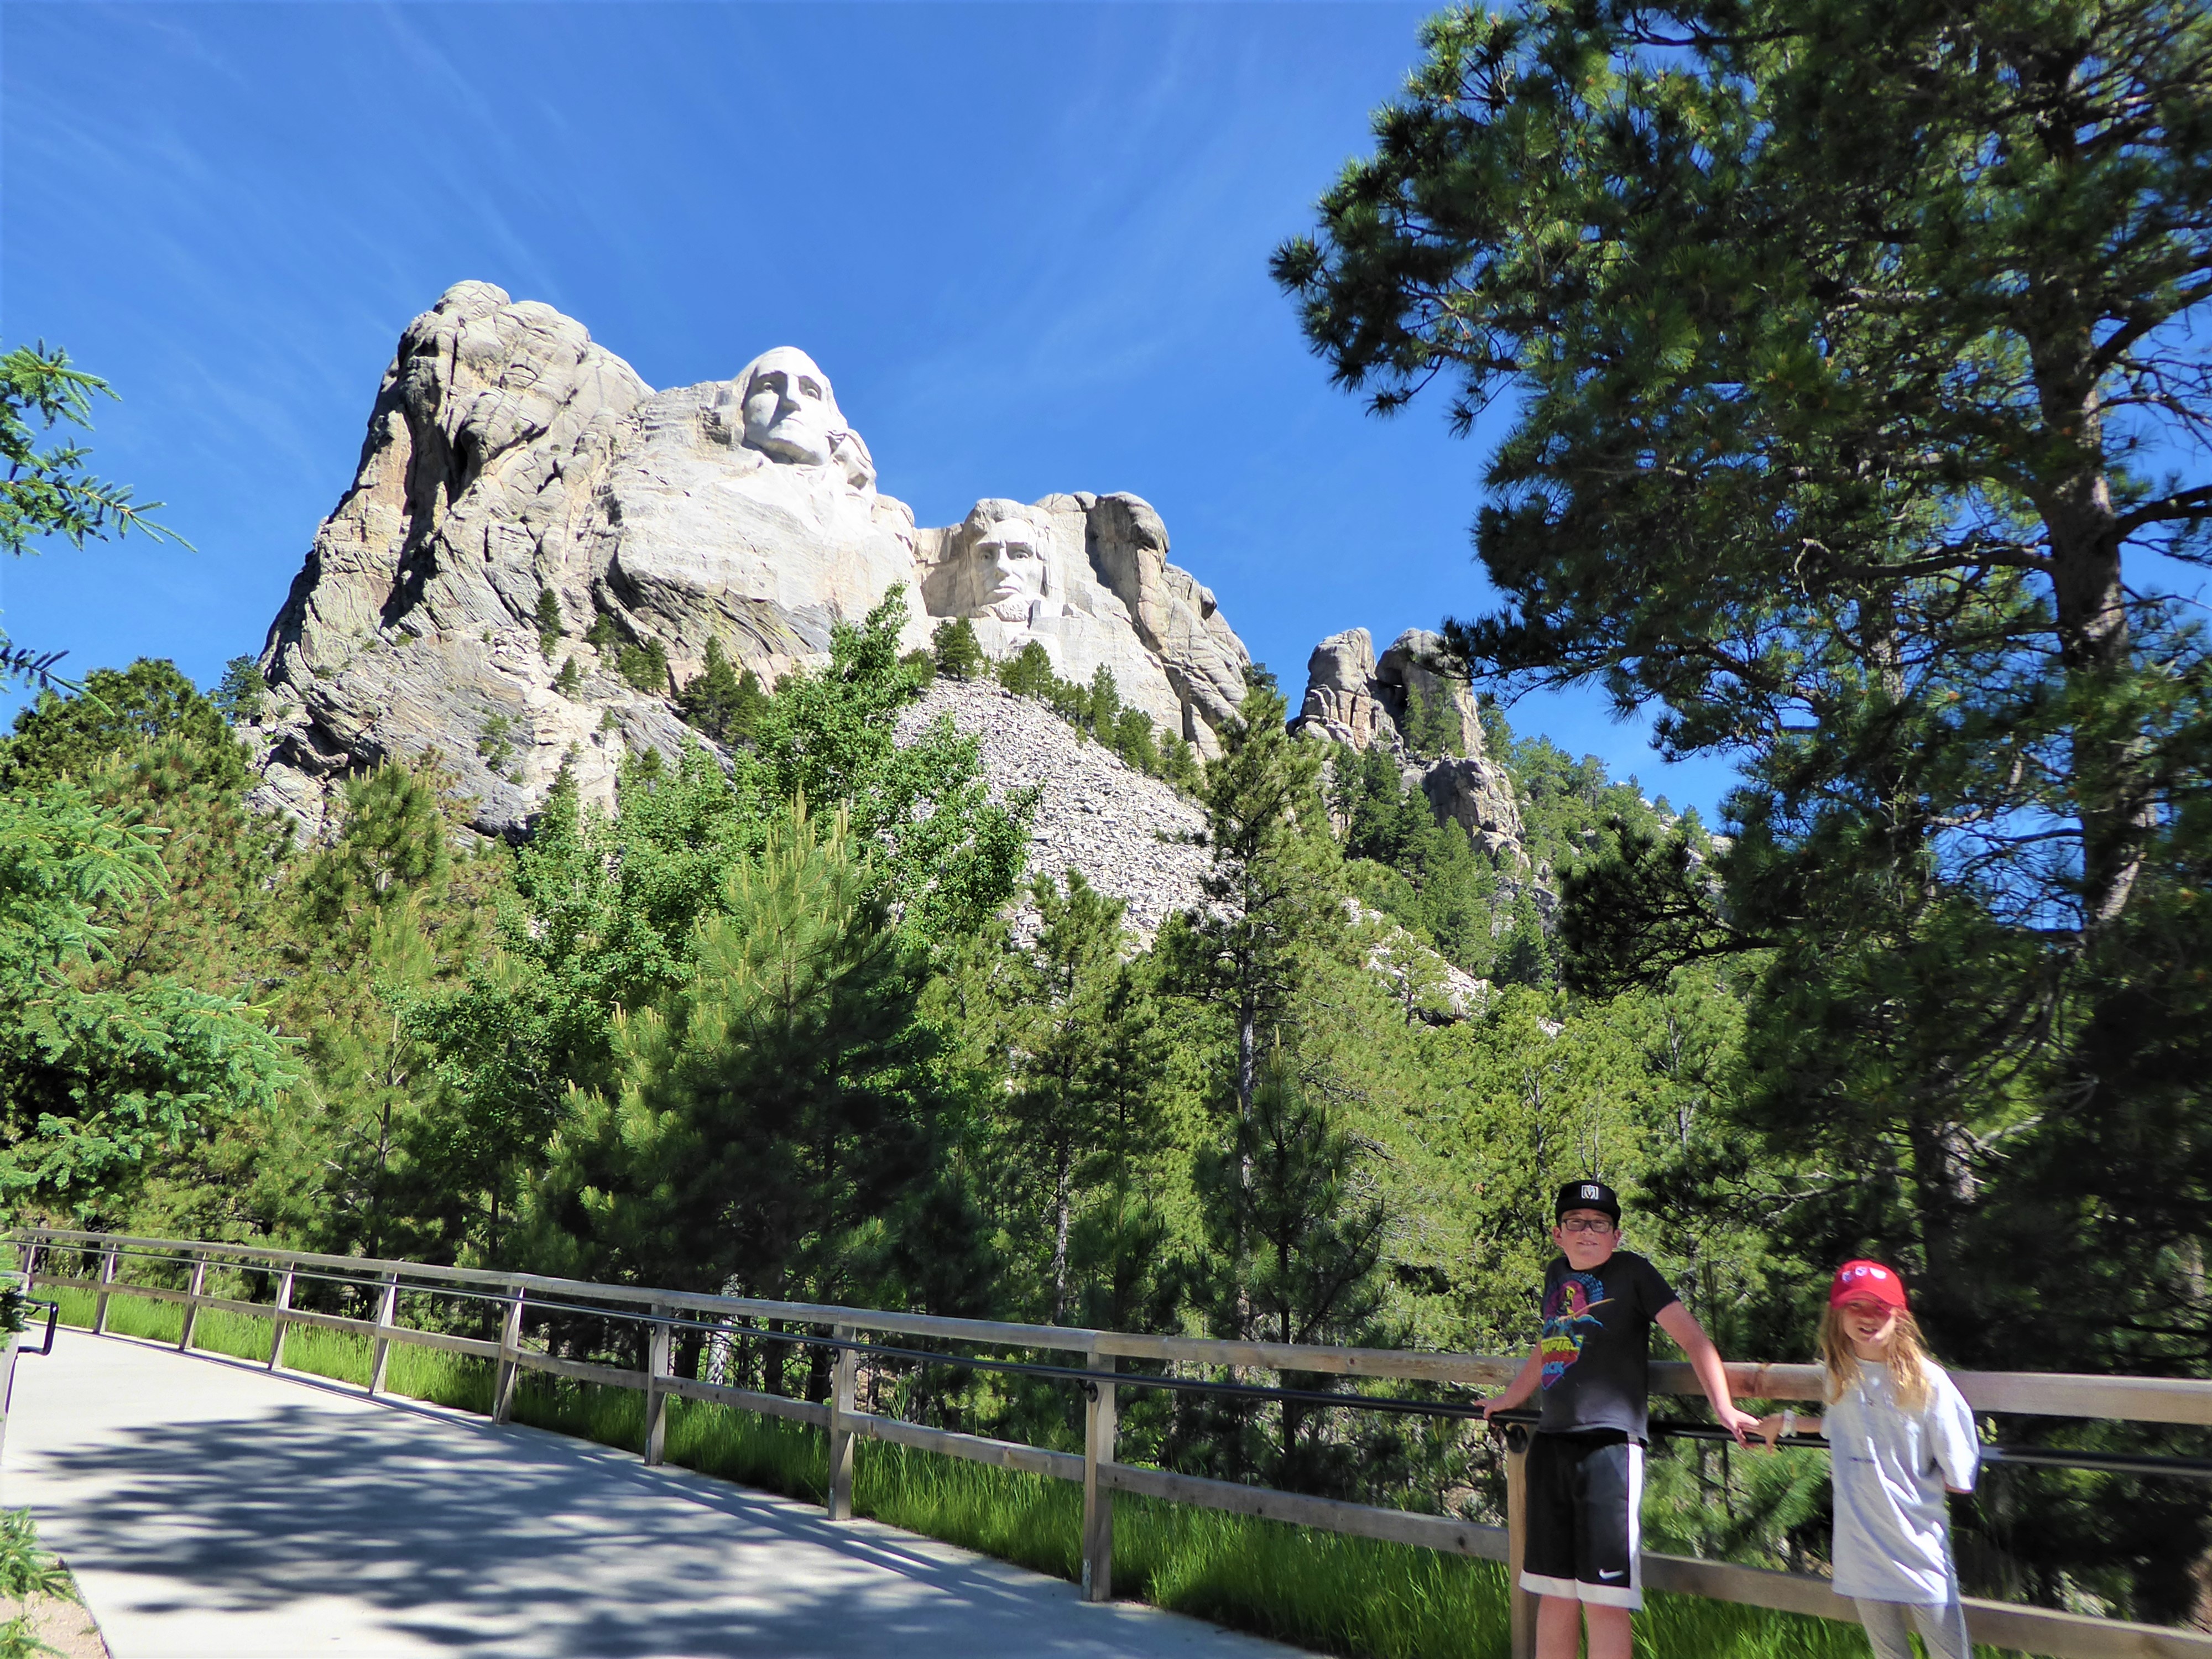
{"x":538,"y":547}
{"x":1405,"y":704}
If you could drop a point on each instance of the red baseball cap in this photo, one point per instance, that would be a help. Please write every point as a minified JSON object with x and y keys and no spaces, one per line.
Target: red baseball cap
{"x":1867,"y":1281}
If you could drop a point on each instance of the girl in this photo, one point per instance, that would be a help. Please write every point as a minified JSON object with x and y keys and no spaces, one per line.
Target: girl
{"x":1901,"y":1436}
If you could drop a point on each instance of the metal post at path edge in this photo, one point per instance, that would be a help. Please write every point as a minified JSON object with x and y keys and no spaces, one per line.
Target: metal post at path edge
{"x":276,"y":1320}
{"x":506,"y":1378}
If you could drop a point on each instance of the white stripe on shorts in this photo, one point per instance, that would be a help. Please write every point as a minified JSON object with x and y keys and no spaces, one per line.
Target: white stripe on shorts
{"x":1636,"y":1522}
{"x":1537,"y":1584}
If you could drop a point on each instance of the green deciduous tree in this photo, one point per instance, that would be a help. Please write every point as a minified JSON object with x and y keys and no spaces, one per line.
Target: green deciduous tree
{"x":97,"y":1080}
{"x":49,"y":492}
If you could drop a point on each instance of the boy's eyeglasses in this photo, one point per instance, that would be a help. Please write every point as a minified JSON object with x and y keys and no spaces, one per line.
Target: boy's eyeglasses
{"x":1584,"y":1225}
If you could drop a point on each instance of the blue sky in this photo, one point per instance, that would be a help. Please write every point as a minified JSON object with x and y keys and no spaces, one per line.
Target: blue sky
{"x":1028,"y":242}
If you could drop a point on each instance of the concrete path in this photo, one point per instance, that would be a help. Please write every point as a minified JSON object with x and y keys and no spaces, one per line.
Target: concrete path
{"x":212,"y":1510}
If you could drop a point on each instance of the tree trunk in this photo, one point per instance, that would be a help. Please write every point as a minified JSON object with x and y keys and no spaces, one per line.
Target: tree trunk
{"x":1944,"y":1188}
{"x":2090,"y":605}
{"x":1060,"y":1208}
{"x":1247,"y":1064}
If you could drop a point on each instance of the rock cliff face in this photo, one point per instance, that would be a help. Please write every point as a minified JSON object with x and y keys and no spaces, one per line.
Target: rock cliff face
{"x":529,"y":518}
{"x":1403,"y":704}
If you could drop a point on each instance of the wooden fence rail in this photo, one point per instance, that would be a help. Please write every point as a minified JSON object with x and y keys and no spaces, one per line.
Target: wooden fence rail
{"x":2037,"y":1630}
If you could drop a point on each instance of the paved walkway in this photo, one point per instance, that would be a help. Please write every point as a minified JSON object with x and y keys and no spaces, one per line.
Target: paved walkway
{"x":212,"y":1510}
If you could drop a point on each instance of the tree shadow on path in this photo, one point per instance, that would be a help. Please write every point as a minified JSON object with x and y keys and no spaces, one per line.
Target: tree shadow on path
{"x":480,"y":1538}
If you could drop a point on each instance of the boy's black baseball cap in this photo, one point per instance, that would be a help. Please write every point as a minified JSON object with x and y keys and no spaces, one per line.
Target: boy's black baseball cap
{"x":1588,"y":1195}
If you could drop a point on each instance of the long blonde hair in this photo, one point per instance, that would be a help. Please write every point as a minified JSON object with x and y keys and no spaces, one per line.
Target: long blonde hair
{"x":1909,"y":1363}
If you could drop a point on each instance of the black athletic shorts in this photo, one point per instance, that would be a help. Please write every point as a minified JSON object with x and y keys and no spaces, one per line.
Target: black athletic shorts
{"x":1584,"y":1534}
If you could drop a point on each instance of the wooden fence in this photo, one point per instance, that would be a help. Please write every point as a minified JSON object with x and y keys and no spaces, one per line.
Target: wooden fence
{"x":2037,"y":1630}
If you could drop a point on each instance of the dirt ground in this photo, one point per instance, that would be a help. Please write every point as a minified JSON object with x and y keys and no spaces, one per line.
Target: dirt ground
{"x":67,"y":1627}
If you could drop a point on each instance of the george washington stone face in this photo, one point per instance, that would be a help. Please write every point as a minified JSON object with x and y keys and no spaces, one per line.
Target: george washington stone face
{"x":791,"y":416}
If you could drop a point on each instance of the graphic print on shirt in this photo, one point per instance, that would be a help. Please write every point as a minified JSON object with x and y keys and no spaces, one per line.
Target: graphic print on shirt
{"x":1568,"y":1320}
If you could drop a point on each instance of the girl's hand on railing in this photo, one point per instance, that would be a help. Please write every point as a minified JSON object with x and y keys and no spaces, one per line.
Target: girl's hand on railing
{"x":1783,"y":1425}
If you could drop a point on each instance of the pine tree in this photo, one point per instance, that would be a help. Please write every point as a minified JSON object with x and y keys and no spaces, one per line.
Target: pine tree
{"x":1297,"y":1230}
{"x":116,"y":713}
{"x":958,"y":655}
{"x":645,"y":667}
{"x":1432,"y":724}
{"x":1028,"y":672}
{"x":1085,"y":1073}
{"x":242,"y":694}
{"x":723,"y":704}
{"x":395,"y":838}
{"x":756,"y":1127}
{"x":1274,"y":890}
{"x":551,"y":632}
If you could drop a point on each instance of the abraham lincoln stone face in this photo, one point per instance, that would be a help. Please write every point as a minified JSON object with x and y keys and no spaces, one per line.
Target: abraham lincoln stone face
{"x":1011,"y":570}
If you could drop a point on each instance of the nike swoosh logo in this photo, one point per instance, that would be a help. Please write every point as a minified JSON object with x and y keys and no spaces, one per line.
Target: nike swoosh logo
{"x":1602,"y":1573}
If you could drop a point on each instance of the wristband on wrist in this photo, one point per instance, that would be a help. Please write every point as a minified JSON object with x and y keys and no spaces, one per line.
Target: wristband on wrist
{"x":1789,"y":1422}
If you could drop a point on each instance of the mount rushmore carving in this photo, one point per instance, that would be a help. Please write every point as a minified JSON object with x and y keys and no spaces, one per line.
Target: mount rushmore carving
{"x":526,"y":510}
{"x":520,"y":487}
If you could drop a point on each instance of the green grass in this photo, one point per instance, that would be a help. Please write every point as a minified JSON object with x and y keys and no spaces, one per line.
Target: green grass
{"x":1345,"y":1596}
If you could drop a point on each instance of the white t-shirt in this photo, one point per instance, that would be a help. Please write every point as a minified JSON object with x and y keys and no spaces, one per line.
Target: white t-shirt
{"x":1892,"y":1527}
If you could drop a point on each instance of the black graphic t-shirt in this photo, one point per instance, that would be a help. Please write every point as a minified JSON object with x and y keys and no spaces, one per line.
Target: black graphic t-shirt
{"x":1597,"y":1344}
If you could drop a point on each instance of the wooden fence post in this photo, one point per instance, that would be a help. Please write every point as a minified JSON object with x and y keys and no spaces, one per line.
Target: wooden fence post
{"x":192,"y":1307}
{"x":1521,"y":1602}
{"x":29,"y":1258}
{"x":388,"y":1315}
{"x":656,"y":1397}
{"x":276,"y":1320}
{"x":510,"y":1368}
{"x":1100,"y":1430}
{"x":107,"y":1259}
{"x":844,"y":1374}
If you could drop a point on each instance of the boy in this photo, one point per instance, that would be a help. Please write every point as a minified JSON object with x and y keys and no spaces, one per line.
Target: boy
{"x":1586,"y":1463}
